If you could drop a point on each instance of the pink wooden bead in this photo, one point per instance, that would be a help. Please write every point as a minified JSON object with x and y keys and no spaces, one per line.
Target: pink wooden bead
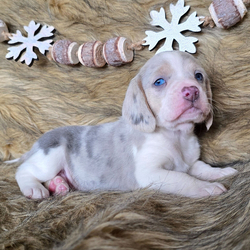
{"x":65,"y":52}
{"x":116,"y":51}
{"x":90,"y":54}
{"x":226,"y":13}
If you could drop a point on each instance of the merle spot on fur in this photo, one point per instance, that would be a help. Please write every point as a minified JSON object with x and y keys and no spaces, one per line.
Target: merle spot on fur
{"x":122,"y":137}
{"x":56,"y":137}
{"x":134,"y":98}
{"x":137,"y":119}
{"x":110,"y":162}
{"x":72,"y":139}
{"x":90,"y":138}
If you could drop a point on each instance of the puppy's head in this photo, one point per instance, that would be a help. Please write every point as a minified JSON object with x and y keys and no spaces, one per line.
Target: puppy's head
{"x":172,"y":91}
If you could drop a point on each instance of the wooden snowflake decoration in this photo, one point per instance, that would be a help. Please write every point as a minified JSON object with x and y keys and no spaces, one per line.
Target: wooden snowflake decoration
{"x":27,"y":43}
{"x":172,"y":31}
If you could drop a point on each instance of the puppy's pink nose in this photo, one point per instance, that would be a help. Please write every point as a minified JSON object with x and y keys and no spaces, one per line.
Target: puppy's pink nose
{"x":190,"y":93}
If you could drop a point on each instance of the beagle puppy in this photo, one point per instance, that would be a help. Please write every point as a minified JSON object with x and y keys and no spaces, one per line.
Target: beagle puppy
{"x":152,"y":145}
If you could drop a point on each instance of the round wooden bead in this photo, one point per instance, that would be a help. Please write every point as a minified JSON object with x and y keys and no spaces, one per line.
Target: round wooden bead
{"x":226,"y":13}
{"x":90,"y":54}
{"x":116,"y":51}
{"x":3,"y":30}
{"x":72,"y":53}
{"x":65,"y":52}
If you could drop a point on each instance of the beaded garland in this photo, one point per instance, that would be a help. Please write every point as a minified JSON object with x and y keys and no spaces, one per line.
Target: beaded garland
{"x":120,"y":50}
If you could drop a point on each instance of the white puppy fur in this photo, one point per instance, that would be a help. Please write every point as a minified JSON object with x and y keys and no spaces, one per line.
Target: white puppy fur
{"x":152,"y":145}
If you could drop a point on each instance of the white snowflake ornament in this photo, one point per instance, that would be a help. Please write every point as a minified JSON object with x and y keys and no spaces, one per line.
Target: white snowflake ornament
{"x":172,"y":31}
{"x":33,"y":40}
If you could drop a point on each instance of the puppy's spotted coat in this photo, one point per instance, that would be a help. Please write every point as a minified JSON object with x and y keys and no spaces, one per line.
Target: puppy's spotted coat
{"x":152,"y":144}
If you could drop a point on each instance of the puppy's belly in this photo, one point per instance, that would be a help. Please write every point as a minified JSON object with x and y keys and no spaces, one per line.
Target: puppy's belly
{"x":104,"y":179}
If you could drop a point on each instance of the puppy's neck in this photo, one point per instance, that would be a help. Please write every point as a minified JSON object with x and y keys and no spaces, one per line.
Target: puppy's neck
{"x":183,"y":128}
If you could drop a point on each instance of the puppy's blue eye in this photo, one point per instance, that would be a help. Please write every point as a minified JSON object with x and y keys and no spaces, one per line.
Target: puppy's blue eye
{"x":159,"y":82}
{"x":199,"y":77}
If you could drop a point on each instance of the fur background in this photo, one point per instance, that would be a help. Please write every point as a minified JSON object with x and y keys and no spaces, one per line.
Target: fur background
{"x":36,"y":99}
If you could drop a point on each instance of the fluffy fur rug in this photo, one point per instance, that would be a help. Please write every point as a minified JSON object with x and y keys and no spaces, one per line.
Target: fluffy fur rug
{"x":47,"y":95}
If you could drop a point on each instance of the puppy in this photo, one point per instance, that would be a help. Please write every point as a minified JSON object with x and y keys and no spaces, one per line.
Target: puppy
{"x":151,"y":145}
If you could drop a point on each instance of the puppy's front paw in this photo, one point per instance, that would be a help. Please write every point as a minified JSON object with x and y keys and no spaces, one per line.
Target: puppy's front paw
{"x":35,"y":192}
{"x":214,"y":189}
{"x":222,"y":172}
{"x":210,"y":189}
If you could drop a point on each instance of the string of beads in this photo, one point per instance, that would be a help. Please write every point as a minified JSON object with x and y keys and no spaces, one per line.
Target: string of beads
{"x":115,"y":52}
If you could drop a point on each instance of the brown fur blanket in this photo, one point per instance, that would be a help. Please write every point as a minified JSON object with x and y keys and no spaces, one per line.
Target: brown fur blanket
{"x":36,"y":99}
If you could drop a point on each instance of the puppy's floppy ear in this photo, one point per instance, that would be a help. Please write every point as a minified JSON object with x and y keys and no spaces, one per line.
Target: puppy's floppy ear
{"x":209,"y":119}
{"x":136,"y":109}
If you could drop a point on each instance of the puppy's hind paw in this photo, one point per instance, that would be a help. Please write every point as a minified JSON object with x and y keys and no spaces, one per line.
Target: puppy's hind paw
{"x":35,"y":192}
{"x":57,"y":186}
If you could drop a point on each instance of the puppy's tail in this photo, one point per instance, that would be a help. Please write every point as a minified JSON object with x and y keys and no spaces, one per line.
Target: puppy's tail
{"x":12,"y":161}
{"x":25,"y":156}
{"x":20,"y":160}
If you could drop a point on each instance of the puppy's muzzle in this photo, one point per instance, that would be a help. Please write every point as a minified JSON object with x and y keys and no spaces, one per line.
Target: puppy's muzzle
{"x":190,"y":93}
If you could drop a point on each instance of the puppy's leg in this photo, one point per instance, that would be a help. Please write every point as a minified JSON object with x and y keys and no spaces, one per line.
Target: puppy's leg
{"x":39,"y":168}
{"x":204,"y":171}
{"x":179,"y":183}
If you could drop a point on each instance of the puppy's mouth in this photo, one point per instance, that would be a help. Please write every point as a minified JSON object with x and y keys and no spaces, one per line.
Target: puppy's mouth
{"x":191,"y":113}
{"x":191,"y":110}
{"x":187,"y":113}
